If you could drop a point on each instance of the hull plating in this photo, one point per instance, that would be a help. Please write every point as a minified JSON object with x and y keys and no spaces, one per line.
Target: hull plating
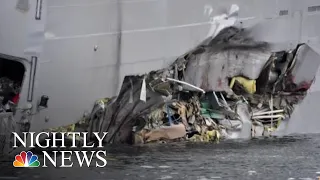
{"x":86,"y":48}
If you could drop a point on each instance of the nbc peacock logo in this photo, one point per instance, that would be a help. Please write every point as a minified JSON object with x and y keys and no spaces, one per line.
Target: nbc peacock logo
{"x":26,"y":160}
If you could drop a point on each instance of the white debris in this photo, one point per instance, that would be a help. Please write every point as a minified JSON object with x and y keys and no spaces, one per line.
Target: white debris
{"x":164,"y":166}
{"x":252,"y":172}
{"x":222,"y":21}
{"x":147,"y":167}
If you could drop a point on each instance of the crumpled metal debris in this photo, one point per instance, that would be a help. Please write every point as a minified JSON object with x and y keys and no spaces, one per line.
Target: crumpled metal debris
{"x":231,"y":87}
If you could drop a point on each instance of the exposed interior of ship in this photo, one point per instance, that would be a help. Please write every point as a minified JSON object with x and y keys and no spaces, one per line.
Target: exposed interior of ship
{"x":11,"y":79}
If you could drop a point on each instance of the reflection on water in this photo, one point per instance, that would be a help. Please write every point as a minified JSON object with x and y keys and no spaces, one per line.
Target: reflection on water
{"x":272,"y":158}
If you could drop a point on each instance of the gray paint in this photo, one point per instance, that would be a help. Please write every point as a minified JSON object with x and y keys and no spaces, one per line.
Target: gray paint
{"x":154,"y":33}
{"x":305,"y":118}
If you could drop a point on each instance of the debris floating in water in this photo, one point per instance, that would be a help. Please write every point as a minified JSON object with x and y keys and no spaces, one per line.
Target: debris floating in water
{"x":147,"y":167}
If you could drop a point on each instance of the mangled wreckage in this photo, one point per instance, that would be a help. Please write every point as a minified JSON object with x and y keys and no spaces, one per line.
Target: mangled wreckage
{"x":228,"y":87}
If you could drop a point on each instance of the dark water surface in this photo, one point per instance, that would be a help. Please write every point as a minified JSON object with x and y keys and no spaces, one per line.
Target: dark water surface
{"x":272,"y":158}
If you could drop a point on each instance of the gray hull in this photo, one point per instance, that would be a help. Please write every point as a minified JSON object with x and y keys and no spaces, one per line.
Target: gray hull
{"x":77,"y":51}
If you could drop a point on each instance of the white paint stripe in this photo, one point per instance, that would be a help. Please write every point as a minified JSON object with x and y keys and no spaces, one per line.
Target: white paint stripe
{"x":131,"y":31}
{"x":137,"y":30}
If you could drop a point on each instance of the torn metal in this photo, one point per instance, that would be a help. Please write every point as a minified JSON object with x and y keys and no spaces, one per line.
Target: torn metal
{"x":230,"y":86}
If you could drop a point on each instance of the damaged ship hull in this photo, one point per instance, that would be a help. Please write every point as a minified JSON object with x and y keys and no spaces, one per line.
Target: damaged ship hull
{"x":72,"y":59}
{"x":209,"y":93}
